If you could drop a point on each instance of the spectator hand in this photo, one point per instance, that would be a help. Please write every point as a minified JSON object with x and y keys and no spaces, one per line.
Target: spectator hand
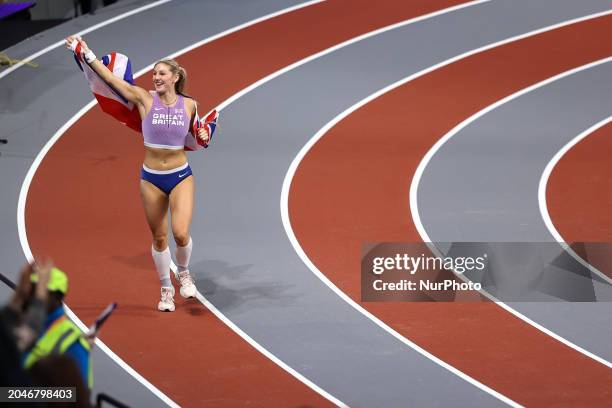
{"x":22,"y":292}
{"x":43,"y":270}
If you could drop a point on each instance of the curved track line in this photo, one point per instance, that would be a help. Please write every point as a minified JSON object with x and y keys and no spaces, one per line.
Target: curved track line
{"x":182,"y":51}
{"x":247,"y":91}
{"x":28,"y":254}
{"x":578,"y":197}
{"x":284,"y":208}
{"x":578,"y":194}
{"x":39,"y":158}
{"x":265,"y":351}
{"x":329,"y":50}
{"x":333,"y":122}
{"x":423,"y":164}
{"x":542,"y":204}
{"x":82,"y":32}
{"x":236,"y":96}
{"x":231,"y":31}
{"x":373,"y":212}
{"x":31,"y":172}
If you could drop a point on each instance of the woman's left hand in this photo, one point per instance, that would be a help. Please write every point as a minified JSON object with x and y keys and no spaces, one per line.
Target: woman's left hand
{"x":70,"y":39}
{"x":203,"y":134}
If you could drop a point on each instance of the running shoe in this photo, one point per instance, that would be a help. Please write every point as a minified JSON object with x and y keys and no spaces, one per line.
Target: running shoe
{"x":166,"y":303}
{"x":188,"y":287}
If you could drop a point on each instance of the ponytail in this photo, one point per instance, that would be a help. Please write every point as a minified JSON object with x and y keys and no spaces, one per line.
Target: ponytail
{"x":179,"y":86}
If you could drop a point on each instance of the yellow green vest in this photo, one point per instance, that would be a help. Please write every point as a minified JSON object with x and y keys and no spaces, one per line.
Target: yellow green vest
{"x":56,"y":340}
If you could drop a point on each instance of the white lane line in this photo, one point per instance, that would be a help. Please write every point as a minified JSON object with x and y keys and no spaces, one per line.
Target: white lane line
{"x":284,"y":205}
{"x":542,"y":196}
{"x":353,"y":40}
{"x":256,"y":85}
{"x":174,"y":55}
{"x":122,"y":363}
{"x":423,"y":164}
{"x":83,"y":32}
{"x":298,"y":249}
{"x":28,"y":254}
{"x":23,"y":193}
{"x":39,"y":158}
{"x":263,"y":350}
{"x":232,"y":30}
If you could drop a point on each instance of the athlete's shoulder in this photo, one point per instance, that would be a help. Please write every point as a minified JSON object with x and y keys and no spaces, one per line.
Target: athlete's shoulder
{"x":190,"y":103}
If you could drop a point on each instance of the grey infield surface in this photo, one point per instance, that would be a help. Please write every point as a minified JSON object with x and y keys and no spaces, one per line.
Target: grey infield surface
{"x":514,"y":143}
{"x":243,"y":261}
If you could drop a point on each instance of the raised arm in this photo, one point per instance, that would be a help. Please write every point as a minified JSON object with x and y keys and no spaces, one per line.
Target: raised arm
{"x":130,"y":92}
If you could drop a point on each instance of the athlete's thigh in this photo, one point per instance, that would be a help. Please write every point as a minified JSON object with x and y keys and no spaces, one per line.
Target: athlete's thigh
{"x":181,"y":205}
{"x":155,"y":203}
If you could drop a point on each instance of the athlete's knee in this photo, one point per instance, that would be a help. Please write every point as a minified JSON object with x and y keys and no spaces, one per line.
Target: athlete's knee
{"x":181,"y":238}
{"x":160,"y":242}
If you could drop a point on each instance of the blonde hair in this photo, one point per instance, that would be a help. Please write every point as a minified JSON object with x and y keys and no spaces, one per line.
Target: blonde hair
{"x":176,"y":69}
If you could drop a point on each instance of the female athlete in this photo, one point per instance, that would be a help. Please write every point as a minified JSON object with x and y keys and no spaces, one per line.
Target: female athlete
{"x":166,"y":179}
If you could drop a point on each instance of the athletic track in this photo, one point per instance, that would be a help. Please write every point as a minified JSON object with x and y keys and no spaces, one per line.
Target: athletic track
{"x":339,"y":148}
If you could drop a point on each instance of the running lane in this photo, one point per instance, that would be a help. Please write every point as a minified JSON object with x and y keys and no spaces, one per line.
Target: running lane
{"x":577,"y":195}
{"x":364,"y":197}
{"x":573,"y":302}
{"x":38,"y":102}
{"x":579,"y":191}
{"x":189,"y":354}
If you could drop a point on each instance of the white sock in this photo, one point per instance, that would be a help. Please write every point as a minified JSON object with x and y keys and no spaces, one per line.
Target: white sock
{"x":162,"y":264}
{"x":183,"y":254}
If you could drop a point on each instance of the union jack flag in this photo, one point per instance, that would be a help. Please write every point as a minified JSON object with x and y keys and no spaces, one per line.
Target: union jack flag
{"x":114,"y":104}
{"x":209,"y":122}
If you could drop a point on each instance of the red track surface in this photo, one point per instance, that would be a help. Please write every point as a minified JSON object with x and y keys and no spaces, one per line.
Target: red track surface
{"x":100,"y":235}
{"x":385,"y":140}
{"x":579,"y":196}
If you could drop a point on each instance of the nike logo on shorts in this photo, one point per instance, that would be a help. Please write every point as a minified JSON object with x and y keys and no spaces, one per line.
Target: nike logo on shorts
{"x":182,"y":175}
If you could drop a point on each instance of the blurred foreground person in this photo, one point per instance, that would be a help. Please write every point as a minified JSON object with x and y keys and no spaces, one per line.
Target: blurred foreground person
{"x":60,"y":370}
{"x":21,"y":322}
{"x":59,"y":334}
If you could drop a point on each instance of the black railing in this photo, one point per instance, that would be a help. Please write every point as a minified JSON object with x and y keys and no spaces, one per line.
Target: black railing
{"x":100,"y":398}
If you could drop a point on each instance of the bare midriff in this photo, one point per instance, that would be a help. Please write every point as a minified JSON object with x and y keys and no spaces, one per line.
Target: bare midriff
{"x":164,"y":159}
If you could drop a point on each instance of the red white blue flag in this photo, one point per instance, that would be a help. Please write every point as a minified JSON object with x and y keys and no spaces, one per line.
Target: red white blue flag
{"x":114,"y":104}
{"x":209,"y":122}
